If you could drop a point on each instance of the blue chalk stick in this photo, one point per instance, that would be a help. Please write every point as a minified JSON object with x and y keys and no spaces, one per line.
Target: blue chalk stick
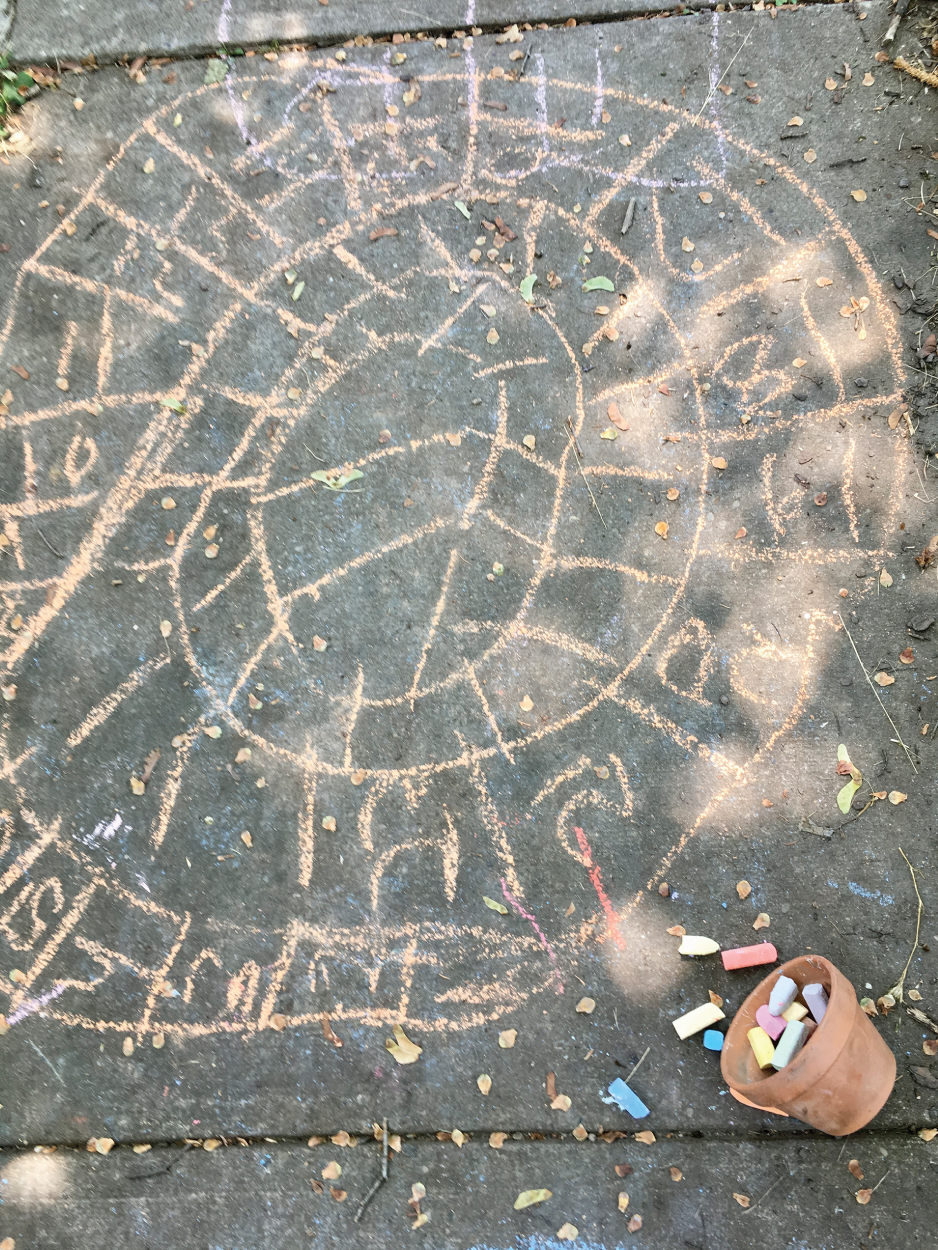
{"x":627,"y":1099}
{"x":713,"y":1039}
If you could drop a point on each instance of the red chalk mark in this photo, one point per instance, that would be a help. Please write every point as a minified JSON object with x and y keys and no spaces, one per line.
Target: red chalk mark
{"x":612,"y":918}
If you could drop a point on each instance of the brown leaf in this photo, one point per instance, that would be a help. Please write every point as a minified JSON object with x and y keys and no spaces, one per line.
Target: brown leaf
{"x":743,"y":1199}
{"x":278,"y":1022}
{"x":382,"y":232}
{"x":855,"y":1170}
{"x":616,"y":417}
{"x":896,"y":797}
{"x":623,"y":1199}
{"x":674,"y":493}
{"x":634,"y":1224}
{"x":149,"y":764}
{"x":676,"y":1174}
{"x":718,"y":462}
{"x":551,"y":1086}
{"x":927,"y":555}
{"x":884,"y":679}
{"x":623,"y":1169}
{"x":663,"y":389}
{"x":761,"y":921}
{"x":715,"y":999}
{"x":23,"y":373}
{"x":327,"y":1031}
{"x":661,"y":529}
{"x":318,"y":1186}
{"x":864,"y":1196}
{"x":821,"y":499}
{"x":678,"y":930}
{"x":586,"y":1006}
{"x":497,"y":1140}
{"x":646,"y":1137}
{"x":339,"y":1194}
{"x":930,"y":1046}
{"x":580,"y":1133}
{"x":741,"y":532}
{"x":743,"y":889}
{"x":907,"y":656}
{"x":484,"y":1082}
{"x":332,"y":1171}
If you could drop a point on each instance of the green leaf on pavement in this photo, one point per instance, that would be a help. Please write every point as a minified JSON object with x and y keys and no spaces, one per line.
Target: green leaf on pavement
{"x":175,"y":404}
{"x":530,"y":1196}
{"x":335,"y":480}
{"x":527,"y":288}
{"x":598,"y":284}
{"x":462,"y":208}
{"x":215,"y":71}
{"x":495,"y":906}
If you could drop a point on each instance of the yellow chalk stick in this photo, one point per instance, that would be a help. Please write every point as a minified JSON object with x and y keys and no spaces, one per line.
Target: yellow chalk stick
{"x":698,"y":946}
{"x":762,"y":1047}
{"x":797,"y":1011}
{"x":699,"y":1018}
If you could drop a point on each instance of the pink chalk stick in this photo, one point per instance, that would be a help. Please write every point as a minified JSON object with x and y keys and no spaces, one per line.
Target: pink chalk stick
{"x":773,"y":1025}
{"x":749,"y":956}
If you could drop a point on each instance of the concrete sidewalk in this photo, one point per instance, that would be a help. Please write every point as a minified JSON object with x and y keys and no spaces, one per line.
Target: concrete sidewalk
{"x":351,"y":588}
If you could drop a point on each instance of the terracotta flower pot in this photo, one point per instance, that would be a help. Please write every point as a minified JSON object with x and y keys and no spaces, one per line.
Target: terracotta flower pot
{"x":839,"y":1080}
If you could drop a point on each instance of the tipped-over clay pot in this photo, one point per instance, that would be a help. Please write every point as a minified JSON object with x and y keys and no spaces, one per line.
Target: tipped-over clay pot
{"x":841,"y":1078}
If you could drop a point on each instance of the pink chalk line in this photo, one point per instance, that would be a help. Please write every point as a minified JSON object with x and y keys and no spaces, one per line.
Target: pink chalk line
{"x":612,"y":918}
{"x":36,"y":1004}
{"x":537,"y":929}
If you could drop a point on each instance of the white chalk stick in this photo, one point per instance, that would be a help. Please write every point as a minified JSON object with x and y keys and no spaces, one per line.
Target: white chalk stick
{"x":699,"y":1018}
{"x":791,"y":1041}
{"x":698,"y":946}
{"x":784,"y":993}
{"x":816,"y":997}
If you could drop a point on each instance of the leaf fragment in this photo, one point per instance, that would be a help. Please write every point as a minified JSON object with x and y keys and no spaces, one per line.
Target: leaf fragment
{"x":853,"y":1167}
{"x":176,"y":405}
{"x":686,"y":245}
{"x":646,"y":1137}
{"x":497,"y":1140}
{"x":507,"y":1038}
{"x":463,"y":208}
{"x":586,"y":1006}
{"x":526,"y":704}
{"x":568,"y":1232}
{"x":743,"y":889}
{"x":634,"y":1223}
{"x":402,"y":1048}
{"x":623,"y":1200}
{"x":863,"y":1196}
{"x":762,"y":921}
{"x":884,"y":679}
{"x":561,"y":1103}
{"x":661,"y":529}
{"x":598,"y":283}
{"x":896,"y":797}
{"x":676,"y":1174}
{"x":859,"y":196}
{"x":215,"y":71}
{"x":495,"y":905}
{"x":526,"y":288}
{"x":677,"y":930}
{"x":743,"y":1199}
{"x":484,"y":1083}
{"x":530,"y":1197}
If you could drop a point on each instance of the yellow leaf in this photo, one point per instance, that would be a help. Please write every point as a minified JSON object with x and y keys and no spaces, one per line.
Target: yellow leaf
{"x":529,"y":441}
{"x":332,"y":1171}
{"x":421,"y":1219}
{"x":646,"y":1137}
{"x":212,"y":731}
{"x":697,"y":266}
{"x":402,"y":1048}
{"x":149,"y":165}
{"x":495,"y":905}
{"x":859,"y":196}
{"x":686,"y":245}
{"x":484,"y":1083}
{"x":166,"y":628}
{"x":610,"y":434}
{"x":128,"y":1046}
{"x":458,"y":1137}
{"x":928,"y":1134}
{"x":705,"y":197}
{"x":661,"y":529}
{"x":586,"y":1006}
{"x":531,"y":1196}
{"x":137,"y":786}
{"x":718,"y":462}
{"x":210,"y":1144}
{"x":507,"y":1038}
{"x":492,"y":336}
{"x":329,"y":824}
{"x":623,"y":1201}
{"x":568,"y":1232}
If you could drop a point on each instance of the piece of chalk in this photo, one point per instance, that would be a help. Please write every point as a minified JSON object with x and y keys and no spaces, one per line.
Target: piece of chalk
{"x":699,"y":1018}
{"x":713,"y":1039}
{"x":627,"y":1099}
{"x":784,"y":993}
{"x":773,"y":1025}
{"x":762,"y":1047}
{"x":791,"y":1041}
{"x":749,"y":956}
{"x":698,"y":946}
{"x":815,"y":996}
{"x":797,"y":1011}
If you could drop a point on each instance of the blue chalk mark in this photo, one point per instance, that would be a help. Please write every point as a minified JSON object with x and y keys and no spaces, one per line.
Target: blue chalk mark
{"x":627,"y":1099}
{"x":884,"y":900}
{"x":713,"y":1039}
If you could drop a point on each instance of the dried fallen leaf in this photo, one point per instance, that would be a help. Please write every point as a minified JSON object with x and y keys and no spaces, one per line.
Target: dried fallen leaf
{"x":741,"y":532}
{"x":319,"y":644}
{"x":896,"y":797}
{"x":824,"y":281}
{"x":796,"y":121}
{"x":623,"y":1169}
{"x":339,"y":1194}
{"x":930,"y":1046}
{"x":484,"y":1083}
{"x":697,"y":266}
{"x":332,"y":1171}
{"x":211,"y":551}
{"x":859,"y":196}
{"x":821,"y":499}
{"x":907,"y":656}
{"x":586,"y":1006}
{"x":928,"y":1134}
{"x":623,"y":1199}
{"x":646,"y":1137}
{"x":885,"y":579}
{"x":278,"y":1022}
{"x":855,"y":1170}
{"x":210,"y":1144}
{"x":705,"y":197}
{"x":616,"y":417}
{"x":867,"y":1005}
{"x":327,"y":1031}
{"x":661,"y":529}
{"x":526,"y":704}
{"x":743,"y":889}
{"x":831,"y":84}
{"x":884,"y":679}
{"x":761,"y":921}
{"x":718,"y":462}
{"x":529,"y":441}
{"x":677,"y":930}
{"x":212,"y":731}
{"x":743,"y":1199}
{"x":810,"y":156}
{"x":568,"y":1232}
{"x":634,"y":1224}
{"x":676,"y":1174}
{"x":715,"y":999}
{"x":103,"y":1145}
{"x":580,"y":1133}
{"x":686,"y":245}
{"x":382,"y":232}
{"x":610,"y":435}
{"x":915,"y":996}
{"x":674,"y":493}
{"x":561,"y":1103}
{"x":247,"y":839}
{"x":128,"y":1046}
{"x":497,"y":1140}
{"x":344,"y":1140}
{"x":864,"y":1196}
{"x":507,"y":1038}
{"x":149,"y":165}
{"x":244,"y":753}
{"x":458,"y":1137}
{"x":137,"y":786}
{"x":492,"y":336}
{"x":402,"y":1048}
{"x":357,"y":777}
{"x":529,"y":1197}
{"x":885,"y":1003}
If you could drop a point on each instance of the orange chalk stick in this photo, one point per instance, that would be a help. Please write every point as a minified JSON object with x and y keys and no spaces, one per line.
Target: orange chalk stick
{"x":749,"y":956}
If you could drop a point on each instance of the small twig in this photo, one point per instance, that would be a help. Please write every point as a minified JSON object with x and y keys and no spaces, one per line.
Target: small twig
{"x":629,"y":214}
{"x":722,"y":76}
{"x":58,"y":555}
{"x":753,"y":1205}
{"x":576,"y":453}
{"x":921,"y":1018}
{"x":878,"y":699}
{"x":381,"y":1179}
{"x":897,"y":989}
{"x":879,"y":1182}
{"x":638,"y":1065}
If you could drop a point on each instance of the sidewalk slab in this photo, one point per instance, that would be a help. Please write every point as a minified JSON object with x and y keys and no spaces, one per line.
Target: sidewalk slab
{"x":69,"y":29}
{"x":798,"y":1194}
{"x":527,"y":694}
